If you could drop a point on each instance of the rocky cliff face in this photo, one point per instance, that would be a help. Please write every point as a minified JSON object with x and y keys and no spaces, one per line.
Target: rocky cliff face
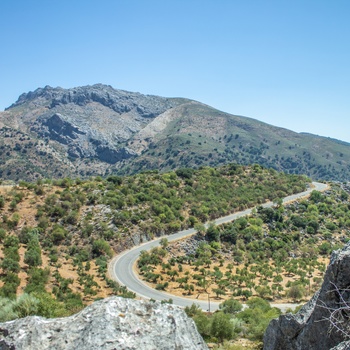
{"x":83,"y":131}
{"x":92,"y":121}
{"x":112,"y":323}
{"x":145,"y":106}
{"x":314,"y":327}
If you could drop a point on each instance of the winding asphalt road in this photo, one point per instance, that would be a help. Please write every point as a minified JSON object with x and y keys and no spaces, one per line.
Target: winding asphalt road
{"x":121,"y":268}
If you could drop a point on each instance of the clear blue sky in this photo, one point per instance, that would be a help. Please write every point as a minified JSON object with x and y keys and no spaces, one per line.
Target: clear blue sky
{"x":283,"y":62}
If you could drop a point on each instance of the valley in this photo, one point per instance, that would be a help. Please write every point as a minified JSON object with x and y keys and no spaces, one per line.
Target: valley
{"x":220,"y":210}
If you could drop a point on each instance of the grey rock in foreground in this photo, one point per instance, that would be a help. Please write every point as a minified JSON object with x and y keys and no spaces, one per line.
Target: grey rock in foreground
{"x":310,"y":328}
{"x":112,"y":323}
{"x":342,"y":346}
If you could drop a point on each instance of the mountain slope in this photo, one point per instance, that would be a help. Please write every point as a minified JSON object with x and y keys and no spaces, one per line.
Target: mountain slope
{"x":197,"y":134}
{"x":96,"y":130}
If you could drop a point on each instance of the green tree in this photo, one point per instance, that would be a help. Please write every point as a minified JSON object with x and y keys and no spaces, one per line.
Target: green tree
{"x":203,"y":324}
{"x":101,"y":247}
{"x":221,"y":326}
{"x":193,"y":310}
{"x":2,"y":202}
{"x":50,"y":307}
{"x":296,"y":292}
{"x":218,"y":292}
{"x":231,"y":306}
{"x":26,"y":305}
{"x":2,"y":234}
{"x":257,"y":317}
{"x":7,"y":312}
{"x":9,"y":265}
{"x":263,"y":291}
{"x":163,"y":243}
{"x":213,"y":233}
{"x":32,"y":256}
{"x":11,"y":283}
{"x":38,"y":278}
{"x":58,"y":234}
{"x":325,"y":248}
{"x":11,"y":241}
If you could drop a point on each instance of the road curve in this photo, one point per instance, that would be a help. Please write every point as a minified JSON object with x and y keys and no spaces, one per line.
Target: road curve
{"x":121,"y":267}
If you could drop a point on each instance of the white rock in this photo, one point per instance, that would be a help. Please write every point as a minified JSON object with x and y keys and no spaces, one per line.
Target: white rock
{"x":112,"y":323}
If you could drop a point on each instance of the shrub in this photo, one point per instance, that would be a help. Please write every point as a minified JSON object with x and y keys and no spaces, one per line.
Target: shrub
{"x":231,"y":306}
{"x":2,"y":202}
{"x":221,"y":326}
{"x":101,"y":247}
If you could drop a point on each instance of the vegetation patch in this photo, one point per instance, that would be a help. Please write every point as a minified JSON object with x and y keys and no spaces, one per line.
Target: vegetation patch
{"x":57,"y":236}
{"x":277,"y":253}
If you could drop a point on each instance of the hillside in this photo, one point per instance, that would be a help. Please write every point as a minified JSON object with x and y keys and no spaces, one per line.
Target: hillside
{"x":278,"y":253}
{"x":56,"y":237}
{"x":98,"y":130}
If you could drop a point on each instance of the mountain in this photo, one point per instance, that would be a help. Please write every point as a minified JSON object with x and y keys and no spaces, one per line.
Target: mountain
{"x":98,"y":130}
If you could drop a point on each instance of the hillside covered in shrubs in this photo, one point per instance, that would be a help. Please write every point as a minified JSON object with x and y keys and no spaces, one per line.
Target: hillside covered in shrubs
{"x":56,"y":236}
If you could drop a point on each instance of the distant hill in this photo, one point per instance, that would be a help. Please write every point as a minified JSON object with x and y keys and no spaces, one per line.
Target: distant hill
{"x":98,"y":130}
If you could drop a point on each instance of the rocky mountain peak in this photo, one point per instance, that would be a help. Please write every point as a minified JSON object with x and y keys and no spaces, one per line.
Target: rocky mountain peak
{"x":89,"y":122}
{"x":121,"y":101}
{"x":112,"y":323}
{"x":46,"y":93}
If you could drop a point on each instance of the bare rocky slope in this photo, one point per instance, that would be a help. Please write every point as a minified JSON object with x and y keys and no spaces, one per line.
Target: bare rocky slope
{"x":98,"y":130}
{"x":323,"y":323}
{"x":112,"y":323}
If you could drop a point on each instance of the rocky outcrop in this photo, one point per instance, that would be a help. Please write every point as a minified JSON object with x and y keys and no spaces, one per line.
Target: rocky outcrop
{"x":310,"y":328}
{"x":90,"y":121}
{"x":60,"y":130}
{"x":112,"y":323}
{"x":112,"y":156}
{"x":187,"y":246}
{"x":345,"y":345}
{"x":146,"y":106}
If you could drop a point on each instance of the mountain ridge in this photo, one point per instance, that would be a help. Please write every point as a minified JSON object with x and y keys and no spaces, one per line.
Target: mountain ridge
{"x":99,"y":130}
